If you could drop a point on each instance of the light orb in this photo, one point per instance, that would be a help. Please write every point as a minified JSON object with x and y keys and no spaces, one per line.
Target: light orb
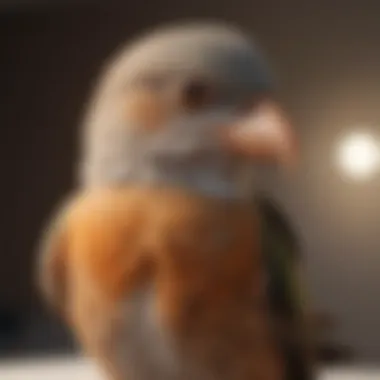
{"x":358,"y":155}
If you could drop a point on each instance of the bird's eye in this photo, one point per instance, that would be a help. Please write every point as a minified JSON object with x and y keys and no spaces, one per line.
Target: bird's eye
{"x":197,"y":94}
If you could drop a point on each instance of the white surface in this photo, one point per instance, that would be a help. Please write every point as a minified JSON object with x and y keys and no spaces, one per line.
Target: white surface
{"x":81,"y":369}
{"x":49,"y":369}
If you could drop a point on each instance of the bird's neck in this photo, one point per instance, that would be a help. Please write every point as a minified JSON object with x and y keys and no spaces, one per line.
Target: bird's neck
{"x":207,"y":178}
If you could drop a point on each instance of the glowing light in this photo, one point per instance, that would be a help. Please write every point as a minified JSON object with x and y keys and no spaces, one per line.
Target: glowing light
{"x":358,"y":156}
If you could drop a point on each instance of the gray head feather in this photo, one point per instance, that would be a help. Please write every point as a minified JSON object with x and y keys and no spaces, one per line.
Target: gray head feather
{"x":218,"y":53}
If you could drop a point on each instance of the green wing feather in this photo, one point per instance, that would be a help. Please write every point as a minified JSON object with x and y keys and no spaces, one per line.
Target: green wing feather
{"x":286,"y":289}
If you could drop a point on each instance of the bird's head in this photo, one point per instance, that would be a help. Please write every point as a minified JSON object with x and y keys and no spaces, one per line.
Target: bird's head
{"x":189,"y":106}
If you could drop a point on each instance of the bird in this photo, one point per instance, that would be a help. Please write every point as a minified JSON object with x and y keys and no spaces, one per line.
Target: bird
{"x":155,"y":260}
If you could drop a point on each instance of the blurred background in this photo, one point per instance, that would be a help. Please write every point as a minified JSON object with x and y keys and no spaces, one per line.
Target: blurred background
{"x":326,"y":55}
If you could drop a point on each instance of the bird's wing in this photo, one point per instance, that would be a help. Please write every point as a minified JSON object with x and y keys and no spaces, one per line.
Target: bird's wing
{"x":286,"y":289}
{"x":51,"y":260}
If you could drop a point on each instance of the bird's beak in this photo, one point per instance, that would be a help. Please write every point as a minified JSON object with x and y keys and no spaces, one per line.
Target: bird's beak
{"x":264,"y":134}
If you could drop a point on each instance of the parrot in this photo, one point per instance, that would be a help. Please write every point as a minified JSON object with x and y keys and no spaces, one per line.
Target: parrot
{"x":155,"y":260}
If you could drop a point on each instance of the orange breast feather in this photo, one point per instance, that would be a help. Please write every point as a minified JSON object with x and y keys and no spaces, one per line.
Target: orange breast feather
{"x":194,"y":242}
{"x":200,"y":255}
